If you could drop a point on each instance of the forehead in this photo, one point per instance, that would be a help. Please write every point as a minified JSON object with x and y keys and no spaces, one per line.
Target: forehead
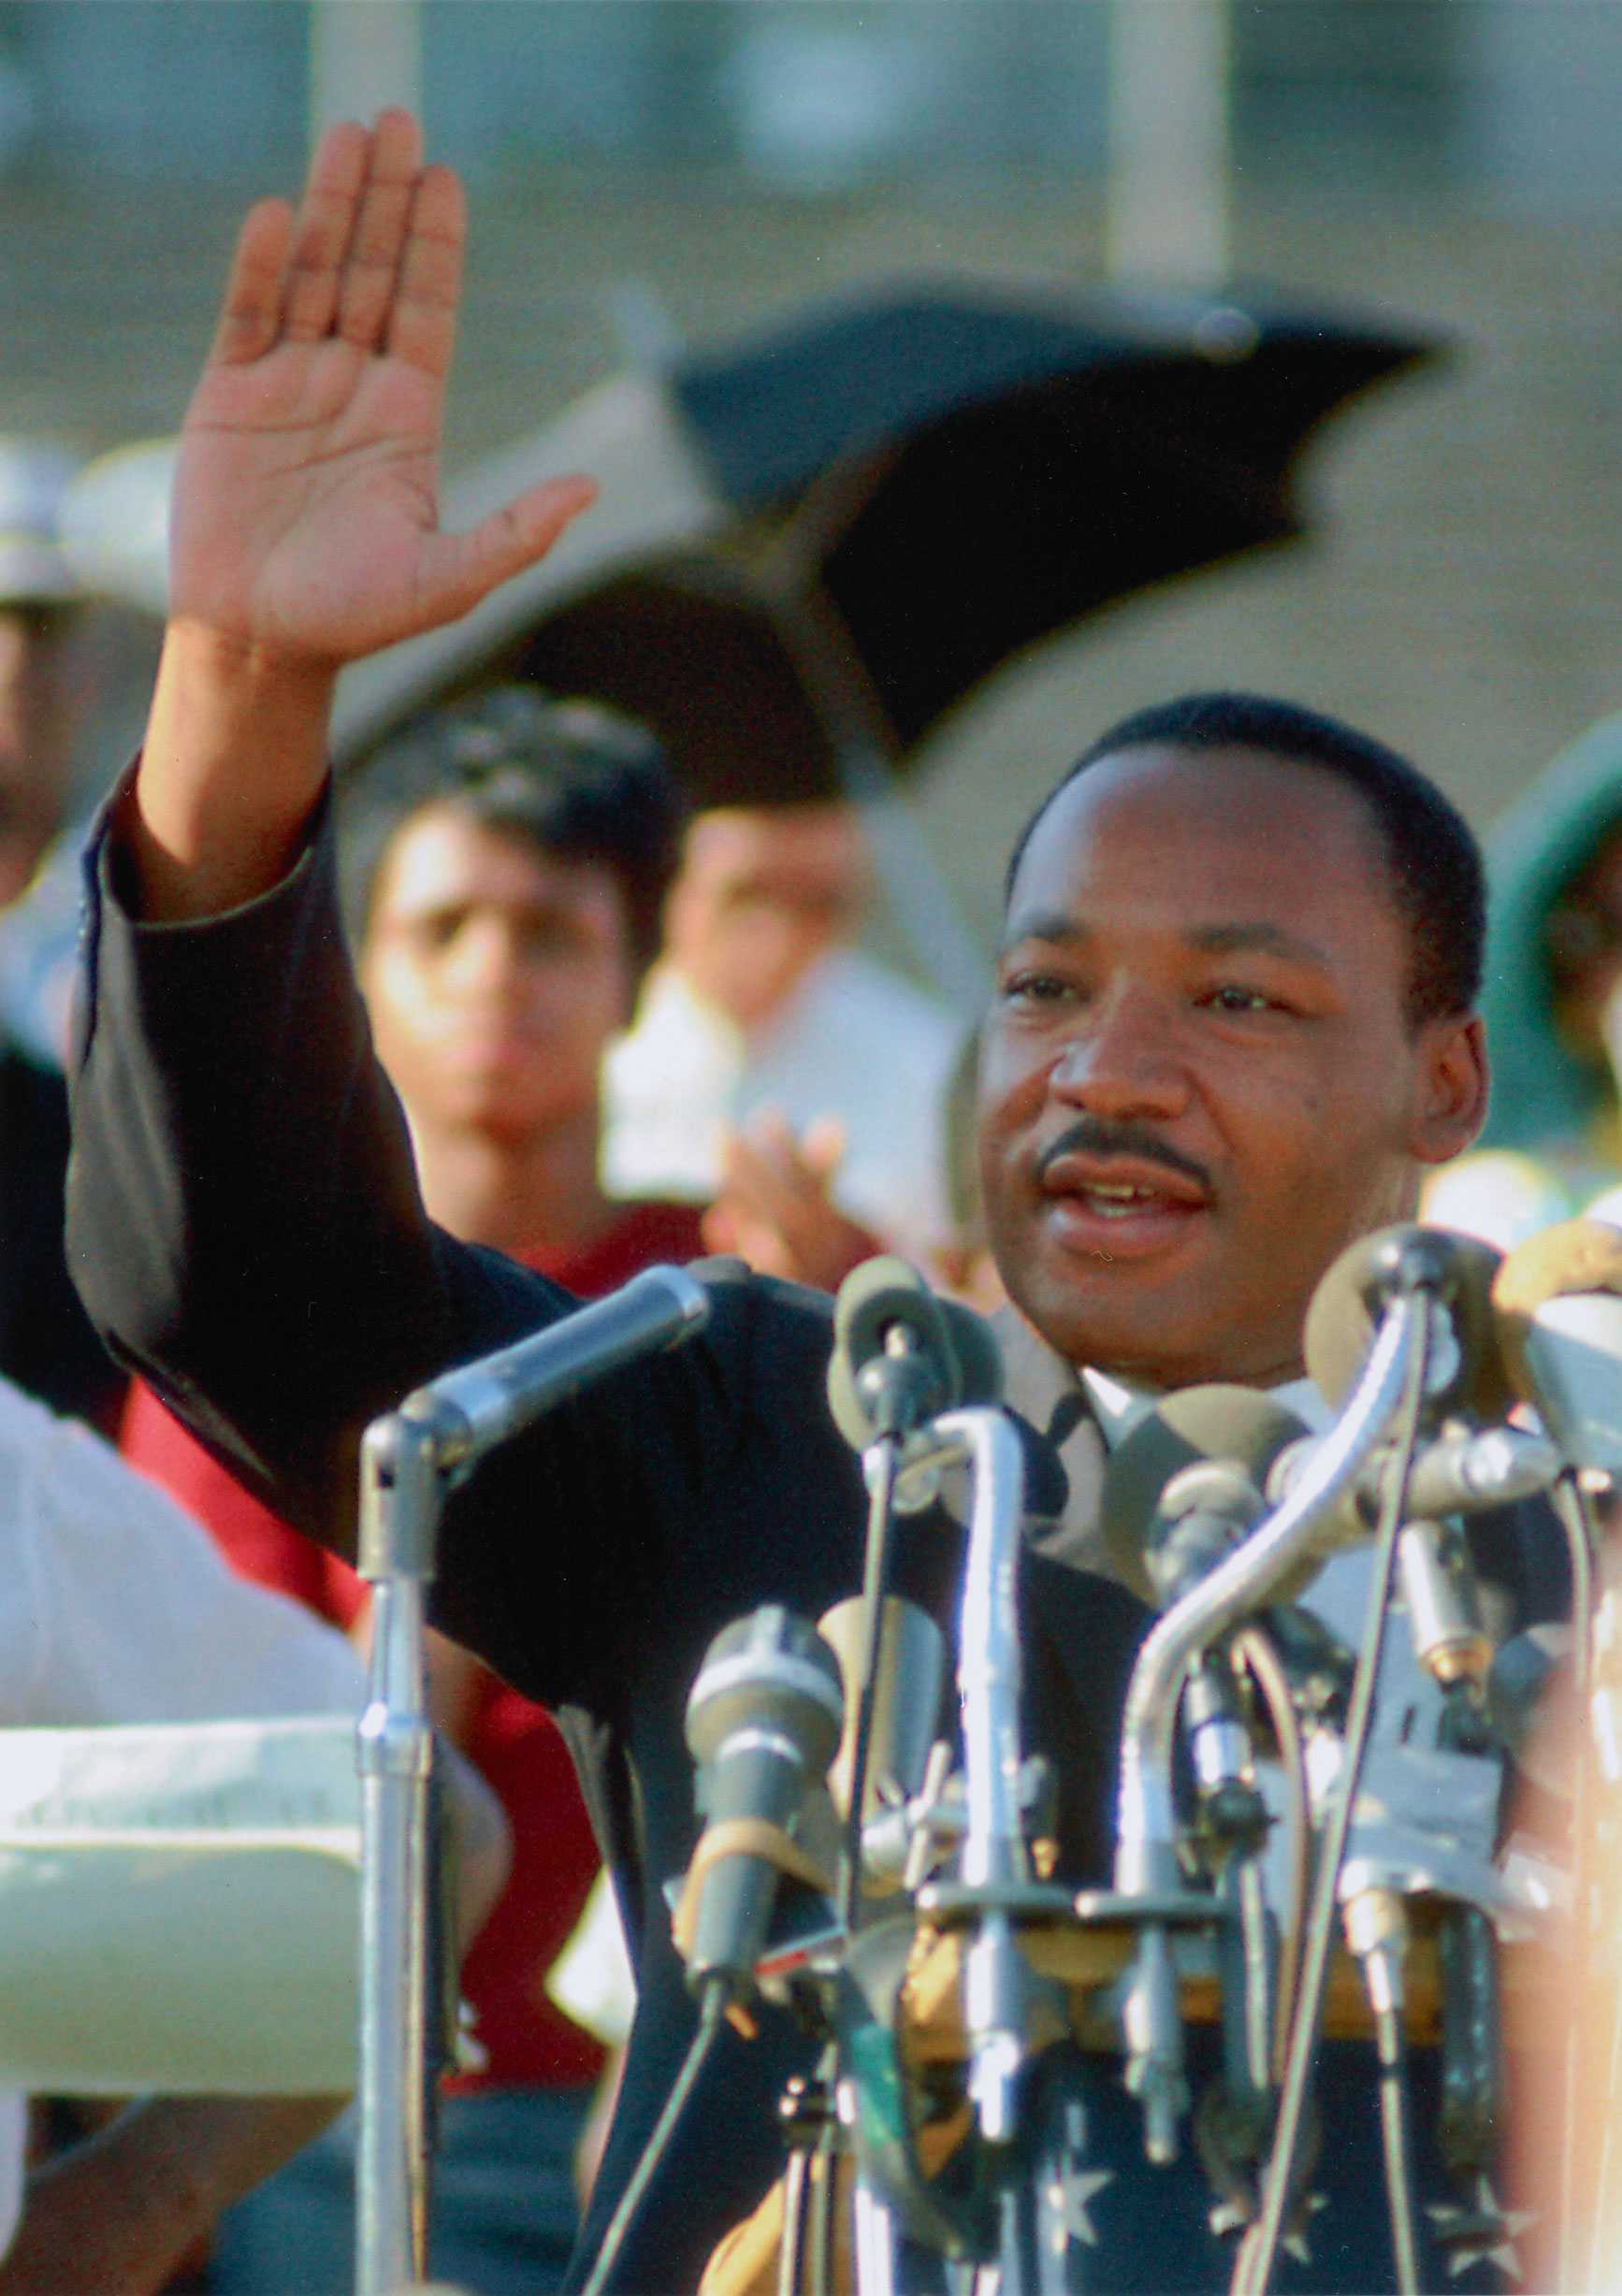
{"x":767,"y":840}
{"x":1231,"y":836}
{"x":443,"y":855}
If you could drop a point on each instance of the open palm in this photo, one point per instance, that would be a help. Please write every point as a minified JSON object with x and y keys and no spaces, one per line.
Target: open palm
{"x":304,"y":518}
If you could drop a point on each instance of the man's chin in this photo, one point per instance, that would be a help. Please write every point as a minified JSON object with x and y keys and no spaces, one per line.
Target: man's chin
{"x":1153,"y":1339}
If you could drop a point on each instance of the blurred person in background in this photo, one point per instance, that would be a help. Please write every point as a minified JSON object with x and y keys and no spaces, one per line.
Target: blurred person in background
{"x":773,"y":1059}
{"x":503,"y":866}
{"x":42,"y":668}
{"x":1551,"y":1004}
{"x":45,"y":1343}
{"x":115,"y":1608}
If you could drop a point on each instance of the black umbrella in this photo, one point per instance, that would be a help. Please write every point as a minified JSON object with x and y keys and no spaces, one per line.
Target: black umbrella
{"x":883,"y":498}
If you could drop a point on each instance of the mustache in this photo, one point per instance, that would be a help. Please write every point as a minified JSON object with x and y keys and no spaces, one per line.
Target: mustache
{"x":1097,"y":1135}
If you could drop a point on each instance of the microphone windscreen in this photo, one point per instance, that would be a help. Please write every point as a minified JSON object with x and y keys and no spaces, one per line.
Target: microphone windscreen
{"x":880,"y":1293}
{"x":1238,"y":1426}
{"x":876,"y":1298}
{"x":964,"y":1360}
{"x":912,"y":1672}
{"x":1578,"y":1255}
{"x":1352,"y":1298}
{"x":1560,"y":1329}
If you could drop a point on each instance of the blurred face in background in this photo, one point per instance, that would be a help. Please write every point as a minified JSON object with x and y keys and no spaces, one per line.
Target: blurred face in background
{"x":495,"y":973}
{"x":1585,"y":956}
{"x":38,"y":659}
{"x":762,"y":894}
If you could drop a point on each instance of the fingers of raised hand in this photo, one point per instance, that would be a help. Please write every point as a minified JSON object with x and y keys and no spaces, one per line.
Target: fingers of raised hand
{"x":422,"y":317}
{"x":350,"y":245}
{"x":251,"y":311}
{"x":383,"y":227}
{"x":326,"y":213}
{"x":460,"y":568}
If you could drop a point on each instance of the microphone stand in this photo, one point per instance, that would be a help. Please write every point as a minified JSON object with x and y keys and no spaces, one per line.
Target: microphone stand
{"x":993,"y":1892}
{"x":1148,"y":1872}
{"x":410,"y":1461}
{"x":1397,"y":1359}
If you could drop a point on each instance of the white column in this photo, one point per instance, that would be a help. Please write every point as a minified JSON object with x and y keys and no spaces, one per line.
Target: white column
{"x":363,"y":54}
{"x":1168,"y":141}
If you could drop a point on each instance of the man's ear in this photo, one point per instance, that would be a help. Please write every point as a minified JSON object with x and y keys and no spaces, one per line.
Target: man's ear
{"x":1452,"y":1078}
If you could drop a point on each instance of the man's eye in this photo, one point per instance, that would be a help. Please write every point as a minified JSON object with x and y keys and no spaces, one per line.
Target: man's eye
{"x":438,"y":929}
{"x":1231,"y":998}
{"x":1036,"y":988}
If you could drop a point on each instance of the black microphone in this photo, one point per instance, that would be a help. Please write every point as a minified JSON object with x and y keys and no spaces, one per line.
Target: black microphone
{"x":763,"y":1721}
{"x":902,"y":1354}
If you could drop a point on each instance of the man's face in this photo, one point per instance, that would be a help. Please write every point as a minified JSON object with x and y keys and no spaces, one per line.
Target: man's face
{"x":765,"y":893}
{"x":494,"y":974}
{"x":1199,"y":1080}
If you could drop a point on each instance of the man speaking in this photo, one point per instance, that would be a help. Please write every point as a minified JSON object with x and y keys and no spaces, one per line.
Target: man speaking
{"x":1231,"y":1023}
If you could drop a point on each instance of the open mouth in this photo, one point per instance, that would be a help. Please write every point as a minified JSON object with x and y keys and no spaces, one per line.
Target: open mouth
{"x":1140,"y":1206}
{"x":1117,"y":1203}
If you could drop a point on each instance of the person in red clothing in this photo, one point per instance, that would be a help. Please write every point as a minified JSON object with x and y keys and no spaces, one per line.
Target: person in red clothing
{"x":504,"y":865}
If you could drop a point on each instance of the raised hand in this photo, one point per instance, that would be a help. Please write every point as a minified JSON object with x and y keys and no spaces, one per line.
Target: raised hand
{"x":305,"y":529}
{"x":306,"y":520}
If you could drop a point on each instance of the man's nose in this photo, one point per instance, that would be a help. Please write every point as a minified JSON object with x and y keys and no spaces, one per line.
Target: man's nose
{"x":1124,"y":1061}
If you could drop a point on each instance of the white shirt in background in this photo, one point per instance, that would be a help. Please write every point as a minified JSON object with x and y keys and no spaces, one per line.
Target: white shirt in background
{"x":857,"y":1043}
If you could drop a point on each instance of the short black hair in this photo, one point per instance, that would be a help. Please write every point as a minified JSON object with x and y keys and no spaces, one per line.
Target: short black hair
{"x":1431,"y":853}
{"x":575,"y":778}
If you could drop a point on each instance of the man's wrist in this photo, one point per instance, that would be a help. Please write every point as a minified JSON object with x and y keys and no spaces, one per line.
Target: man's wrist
{"x":237,"y":663}
{"x":234,"y":762}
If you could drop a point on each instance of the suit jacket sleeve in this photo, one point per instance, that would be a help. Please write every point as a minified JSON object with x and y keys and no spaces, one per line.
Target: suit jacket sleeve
{"x":246,"y":1230}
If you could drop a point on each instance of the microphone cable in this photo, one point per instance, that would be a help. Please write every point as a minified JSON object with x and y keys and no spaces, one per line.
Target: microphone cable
{"x":1397,"y":2142}
{"x":1255,"y":1650}
{"x":874,"y":1578}
{"x":1253,"y":2265}
{"x":712,"y":2016}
